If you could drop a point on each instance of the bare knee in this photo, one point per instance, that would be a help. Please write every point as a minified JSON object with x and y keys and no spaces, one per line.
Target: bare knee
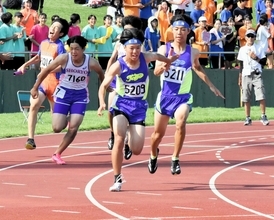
{"x":157,"y":136}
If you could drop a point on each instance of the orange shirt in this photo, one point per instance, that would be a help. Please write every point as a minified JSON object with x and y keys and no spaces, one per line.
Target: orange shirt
{"x":249,"y":4}
{"x":168,"y":36}
{"x":198,"y":38}
{"x":209,"y":12}
{"x":32,"y":20}
{"x":163,"y":23}
{"x":132,"y":10}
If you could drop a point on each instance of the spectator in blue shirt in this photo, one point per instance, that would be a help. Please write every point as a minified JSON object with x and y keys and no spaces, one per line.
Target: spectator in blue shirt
{"x":226,"y":13}
{"x":260,"y":9}
{"x":196,"y":13}
{"x":145,"y":13}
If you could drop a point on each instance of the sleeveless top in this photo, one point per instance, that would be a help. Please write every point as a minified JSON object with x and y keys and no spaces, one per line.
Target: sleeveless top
{"x":75,"y":77}
{"x":133,"y":83}
{"x":178,"y":79}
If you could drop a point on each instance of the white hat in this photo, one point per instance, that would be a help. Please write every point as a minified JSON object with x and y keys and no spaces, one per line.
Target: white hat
{"x":202,"y":18}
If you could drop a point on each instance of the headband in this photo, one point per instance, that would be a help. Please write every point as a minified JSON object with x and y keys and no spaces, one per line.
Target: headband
{"x":181,"y":24}
{"x":133,"y":41}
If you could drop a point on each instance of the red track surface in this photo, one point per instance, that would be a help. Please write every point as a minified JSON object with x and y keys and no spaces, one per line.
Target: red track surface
{"x":227,"y":173}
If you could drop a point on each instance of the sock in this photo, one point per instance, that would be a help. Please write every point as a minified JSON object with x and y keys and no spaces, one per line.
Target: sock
{"x":175,"y":158}
{"x":152,"y":157}
{"x":117,"y":178}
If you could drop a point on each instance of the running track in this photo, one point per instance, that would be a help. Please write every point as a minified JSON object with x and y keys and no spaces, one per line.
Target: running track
{"x":227,"y":173}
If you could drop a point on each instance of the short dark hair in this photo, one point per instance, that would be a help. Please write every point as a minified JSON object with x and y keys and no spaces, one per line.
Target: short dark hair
{"x":65,"y":26}
{"x":74,"y":18}
{"x":182,"y":17}
{"x":131,"y":33}
{"x":54,"y":17}
{"x":79,"y":40}
{"x":6,"y":17}
{"x":134,"y":21}
{"x":92,"y":16}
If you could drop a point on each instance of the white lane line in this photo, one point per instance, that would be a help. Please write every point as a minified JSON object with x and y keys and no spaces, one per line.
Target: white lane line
{"x":221,"y":196}
{"x":233,"y":144}
{"x":36,"y":196}
{"x":212,"y":198}
{"x":272,"y":176}
{"x":2,"y":206}
{"x":117,"y":203}
{"x":242,"y":142}
{"x":65,"y":211}
{"x":251,"y":140}
{"x":259,"y":173}
{"x":245,"y":169}
{"x":227,"y":146}
{"x":15,"y":184}
{"x":218,"y":156}
{"x":262,"y":138}
{"x":76,"y":188}
{"x":221,"y":159}
{"x":194,"y":217}
{"x":226,"y":162}
{"x":187,"y":208}
{"x":151,"y":194}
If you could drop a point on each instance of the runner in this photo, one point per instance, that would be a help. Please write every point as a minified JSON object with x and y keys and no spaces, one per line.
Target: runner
{"x":71,"y":95}
{"x":174,"y":99}
{"x":48,"y":51}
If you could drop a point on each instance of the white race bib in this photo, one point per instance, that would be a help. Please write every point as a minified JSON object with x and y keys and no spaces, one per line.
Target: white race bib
{"x":45,"y":61}
{"x":174,"y":74}
{"x":59,"y":92}
{"x":135,"y":90}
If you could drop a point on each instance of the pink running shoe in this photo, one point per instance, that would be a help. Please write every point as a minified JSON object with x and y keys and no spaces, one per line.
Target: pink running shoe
{"x":57,"y":159}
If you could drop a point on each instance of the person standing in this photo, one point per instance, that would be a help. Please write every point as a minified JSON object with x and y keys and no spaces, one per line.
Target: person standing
{"x":71,"y":95}
{"x":30,"y":19}
{"x":251,"y":59}
{"x":174,"y":99}
{"x":49,"y":50}
{"x":129,"y":106}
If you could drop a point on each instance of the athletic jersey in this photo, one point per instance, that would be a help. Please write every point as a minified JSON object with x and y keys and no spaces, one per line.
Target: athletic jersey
{"x":75,"y":77}
{"x":48,"y":51}
{"x":133,"y":83}
{"x":178,"y":79}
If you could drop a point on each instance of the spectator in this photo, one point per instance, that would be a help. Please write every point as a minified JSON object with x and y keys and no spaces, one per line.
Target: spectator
{"x":2,"y":10}
{"x":54,"y":17}
{"x":189,"y":8}
{"x":226,"y":13}
{"x":199,"y":43}
{"x":196,"y":13}
{"x":264,"y":39}
{"x":37,"y":5}
{"x":217,"y":40}
{"x":74,"y":29}
{"x":118,"y":24}
{"x":260,"y":8}
{"x":38,"y":33}
{"x":230,"y":44}
{"x":240,"y":12}
{"x":251,"y":60}
{"x":90,"y":32}
{"x":30,"y":19}
{"x":19,"y":42}
{"x":132,"y":7}
{"x":178,"y":6}
{"x":115,"y":8}
{"x":152,"y":37}
{"x":7,"y":36}
{"x":242,"y":30}
{"x":105,"y":49}
{"x":163,"y":15}
{"x":269,"y":10}
{"x":145,"y":13}
{"x":209,"y":13}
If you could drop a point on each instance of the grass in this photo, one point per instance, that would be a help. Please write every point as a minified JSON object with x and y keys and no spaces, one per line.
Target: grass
{"x":64,"y":8}
{"x":12,"y":123}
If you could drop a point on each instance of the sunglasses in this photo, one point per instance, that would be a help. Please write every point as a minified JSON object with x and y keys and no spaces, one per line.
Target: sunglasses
{"x":250,"y":36}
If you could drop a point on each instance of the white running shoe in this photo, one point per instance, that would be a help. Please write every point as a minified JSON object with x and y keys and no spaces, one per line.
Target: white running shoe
{"x":118,"y":184}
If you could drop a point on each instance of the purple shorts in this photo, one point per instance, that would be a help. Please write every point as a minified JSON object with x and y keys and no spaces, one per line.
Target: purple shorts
{"x":134,"y":110}
{"x":168,"y":104}
{"x":73,"y":102}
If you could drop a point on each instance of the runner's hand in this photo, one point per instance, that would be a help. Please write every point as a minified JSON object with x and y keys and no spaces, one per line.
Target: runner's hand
{"x":217,"y":92}
{"x":101,"y":109}
{"x":34,"y":93}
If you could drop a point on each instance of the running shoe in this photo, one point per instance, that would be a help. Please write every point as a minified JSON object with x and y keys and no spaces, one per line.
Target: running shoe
{"x":30,"y":145}
{"x":57,"y":159}
{"x":127,"y":152}
{"x":175,"y":167}
{"x":110,"y":143}
{"x":248,"y":121}
{"x":152,"y":164}
{"x":116,"y":187}
{"x":264,"y":120}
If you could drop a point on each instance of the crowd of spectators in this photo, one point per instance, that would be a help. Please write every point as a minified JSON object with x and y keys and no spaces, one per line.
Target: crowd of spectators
{"x":217,"y":31}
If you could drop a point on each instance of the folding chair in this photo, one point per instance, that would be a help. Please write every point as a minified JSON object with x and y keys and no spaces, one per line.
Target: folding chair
{"x":24,"y":105}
